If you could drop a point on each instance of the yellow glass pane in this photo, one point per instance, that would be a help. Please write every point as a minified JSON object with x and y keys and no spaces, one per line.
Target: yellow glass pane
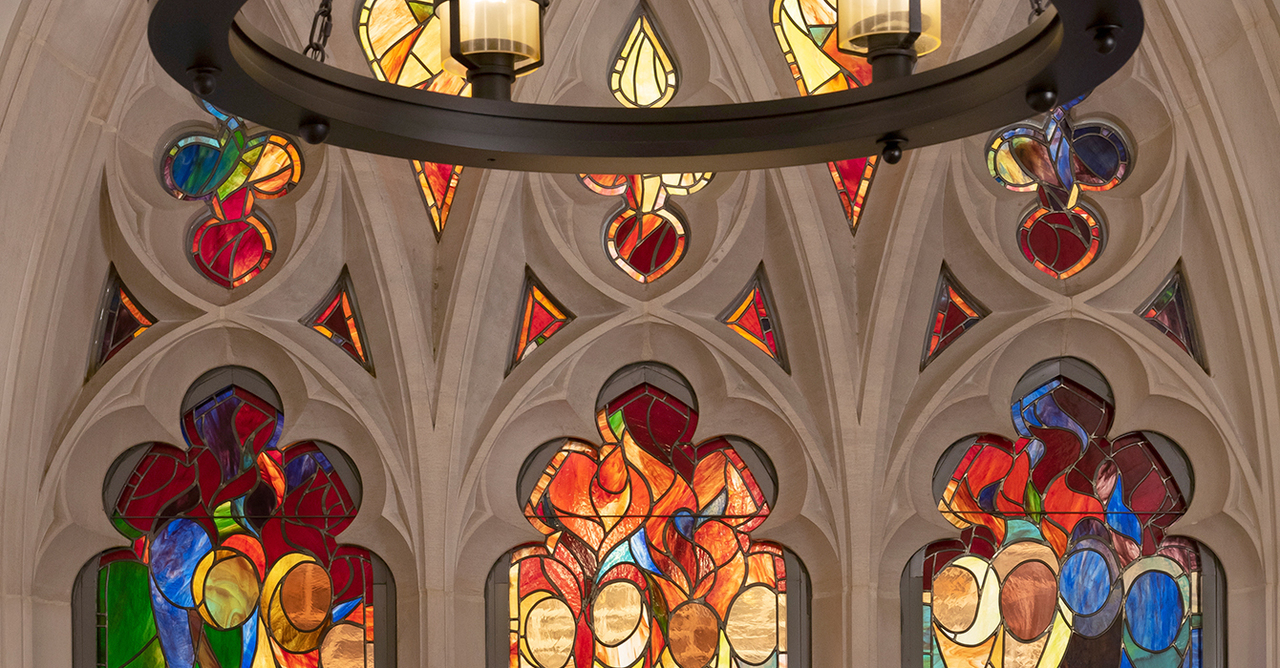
{"x":816,"y":67}
{"x":752,"y":626}
{"x":644,"y":74}
{"x":958,"y":655}
{"x":389,"y":21}
{"x":549,"y":632}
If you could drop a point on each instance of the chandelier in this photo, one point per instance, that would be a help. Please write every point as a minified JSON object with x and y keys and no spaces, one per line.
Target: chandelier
{"x":1068,"y":50}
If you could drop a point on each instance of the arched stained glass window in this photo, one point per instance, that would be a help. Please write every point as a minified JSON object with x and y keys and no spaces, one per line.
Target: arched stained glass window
{"x":1064,"y":558}
{"x":648,"y":559}
{"x":233,"y":559}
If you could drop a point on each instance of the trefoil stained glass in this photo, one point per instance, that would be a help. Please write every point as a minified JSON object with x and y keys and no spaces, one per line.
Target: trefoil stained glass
{"x":1061,"y":236}
{"x":647,"y":237}
{"x":231,"y":170}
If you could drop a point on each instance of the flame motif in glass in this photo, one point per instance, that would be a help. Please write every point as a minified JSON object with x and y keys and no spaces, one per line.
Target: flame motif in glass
{"x":648,"y":560}
{"x":1064,"y":557}
{"x":644,"y":75}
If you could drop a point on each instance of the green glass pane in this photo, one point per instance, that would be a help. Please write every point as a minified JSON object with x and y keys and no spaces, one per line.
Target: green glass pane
{"x":421,"y":10}
{"x":1035,"y":505}
{"x":225,"y":645}
{"x":125,"y":528}
{"x":130,"y":625}
{"x":224,"y":521}
{"x":234,"y":180}
{"x":616,"y":423}
{"x":150,"y":657}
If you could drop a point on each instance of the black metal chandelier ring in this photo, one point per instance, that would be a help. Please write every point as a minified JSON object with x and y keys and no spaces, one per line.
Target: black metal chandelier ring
{"x":1068,"y":51}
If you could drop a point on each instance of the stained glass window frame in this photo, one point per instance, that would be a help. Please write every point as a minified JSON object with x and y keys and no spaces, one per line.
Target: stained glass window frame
{"x":438,"y":208}
{"x":1196,"y":343}
{"x":760,"y":280}
{"x":1208,"y":583}
{"x":852,"y":199}
{"x":113,"y":283}
{"x":87,"y":613}
{"x":498,"y":590}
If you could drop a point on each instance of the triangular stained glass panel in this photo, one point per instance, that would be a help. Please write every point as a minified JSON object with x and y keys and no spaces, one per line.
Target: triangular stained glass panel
{"x":955,"y":311}
{"x":121,"y":319}
{"x":337,"y":317}
{"x":853,"y":180}
{"x":1170,"y":311}
{"x":752,"y":315}
{"x":540,"y":317}
{"x":437,"y":183}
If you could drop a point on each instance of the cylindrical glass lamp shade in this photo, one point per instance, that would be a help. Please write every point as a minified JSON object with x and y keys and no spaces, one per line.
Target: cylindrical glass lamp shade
{"x":861,"y":21}
{"x":491,"y":26}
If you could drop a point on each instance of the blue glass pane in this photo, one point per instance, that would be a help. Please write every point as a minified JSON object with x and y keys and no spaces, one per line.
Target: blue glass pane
{"x":1085,"y":582}
{"x":1154,"y":610}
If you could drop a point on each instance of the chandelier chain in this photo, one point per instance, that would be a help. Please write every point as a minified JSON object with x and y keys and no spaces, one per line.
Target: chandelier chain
{"x":1037,"y":8}
{"x":321,"y":28}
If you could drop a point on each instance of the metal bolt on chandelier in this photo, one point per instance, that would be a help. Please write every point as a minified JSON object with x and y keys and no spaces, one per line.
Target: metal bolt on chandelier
{"x":1068,"y":50}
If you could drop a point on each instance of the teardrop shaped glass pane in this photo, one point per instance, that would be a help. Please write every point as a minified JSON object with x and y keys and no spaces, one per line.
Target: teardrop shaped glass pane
{"x":644,"y":74}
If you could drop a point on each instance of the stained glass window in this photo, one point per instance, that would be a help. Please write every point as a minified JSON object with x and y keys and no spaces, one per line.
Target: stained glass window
{"x":955,"y":311}
{"x":401,"y":43}
{"x":337,"y":317}
{"x":1170,"y":310}
{"x":233,"y":557}
{"x":753,"y":317}
{"x":539,"y":318}
{"x":121,"y":319}
{"x":231,"y":169}
{"x":646,"y":238}
{"x":648,"y":559}
{"x":1060,"y":236}
{"x":644,"y":75}
{"x":1065,"y":556}
{"x":806,"y":32}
